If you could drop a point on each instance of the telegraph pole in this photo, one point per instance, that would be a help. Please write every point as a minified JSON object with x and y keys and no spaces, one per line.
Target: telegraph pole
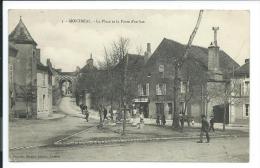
{"x":125,"y":92}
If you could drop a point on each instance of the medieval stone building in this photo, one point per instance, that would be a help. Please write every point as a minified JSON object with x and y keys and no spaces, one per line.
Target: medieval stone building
{"x":27,"y":72}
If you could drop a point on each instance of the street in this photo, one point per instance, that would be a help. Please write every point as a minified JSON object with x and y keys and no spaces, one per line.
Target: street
{"x":220,"y":150}
{"x":37,"y":143}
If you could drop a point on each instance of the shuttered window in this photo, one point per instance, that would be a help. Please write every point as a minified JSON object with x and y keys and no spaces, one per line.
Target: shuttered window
{"x":161,"y":89}
{"x":139,"y":90}
{"x":143,"y":89}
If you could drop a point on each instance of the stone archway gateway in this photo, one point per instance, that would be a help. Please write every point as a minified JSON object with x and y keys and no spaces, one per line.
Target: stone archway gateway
{"x":67,"y":83}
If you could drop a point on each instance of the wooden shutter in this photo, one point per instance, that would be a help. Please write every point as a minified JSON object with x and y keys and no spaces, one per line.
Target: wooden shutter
{"x":164,"y":89}
{"x":157,"y":89}
{"x":242,"y":88}
{"x":147,"y":89}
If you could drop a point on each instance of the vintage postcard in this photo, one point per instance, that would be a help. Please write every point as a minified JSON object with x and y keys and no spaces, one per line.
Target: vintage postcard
{"x":128,"y":85}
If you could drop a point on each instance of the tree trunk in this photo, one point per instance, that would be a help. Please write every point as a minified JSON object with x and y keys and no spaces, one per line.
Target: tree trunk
{"x":175,"y":120}
{"x":224,"y":117}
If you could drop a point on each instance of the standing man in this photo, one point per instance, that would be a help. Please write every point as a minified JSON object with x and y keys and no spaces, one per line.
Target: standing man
{"x":182,"y":122}
{"x":212,"y":121}
{"x":105,"y":113}
{"x":204,"y":129}
{"x":86,"y":112}
{"x":81,"y":108}
{"x":100,"y":111}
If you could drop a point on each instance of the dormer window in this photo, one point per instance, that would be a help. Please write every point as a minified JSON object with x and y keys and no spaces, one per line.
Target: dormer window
{"x":161,"y":70}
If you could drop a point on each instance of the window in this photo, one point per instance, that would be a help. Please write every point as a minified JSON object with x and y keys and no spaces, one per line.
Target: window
{"x":43,"y":102}
{"x":44,"y":79}
{"x":11,"y":74}
{"x":246,"y":91}
{"x":184,"y":84}
{"x":170,"y":108}
{"x":161,"y":70}
{"x":161,"y":89}
{"x":246,"y":110}
{"x":245,"y":88}
{"x":182,"y":108}
{"x":143,"y":89}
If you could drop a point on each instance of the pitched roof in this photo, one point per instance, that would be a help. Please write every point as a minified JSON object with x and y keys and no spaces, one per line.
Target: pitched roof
{"x":135,"y":62}
{"x":21,"y":34}
{"x":87,"y":68}
{"x":243,"y":70}
{"x":40,"y":66}
{"x":68,"y":73}
{"x":170,"y":48}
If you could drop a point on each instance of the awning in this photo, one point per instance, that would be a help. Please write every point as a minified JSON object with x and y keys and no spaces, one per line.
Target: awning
{"x":141,"y":100}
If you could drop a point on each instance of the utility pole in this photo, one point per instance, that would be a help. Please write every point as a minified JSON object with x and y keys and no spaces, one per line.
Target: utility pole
{"x":125,"y":92}
{"x":177,"y":66}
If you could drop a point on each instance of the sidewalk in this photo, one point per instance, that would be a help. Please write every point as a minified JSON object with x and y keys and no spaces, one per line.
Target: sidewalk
{"x":219,"y":126}
{"x":113,"y":134}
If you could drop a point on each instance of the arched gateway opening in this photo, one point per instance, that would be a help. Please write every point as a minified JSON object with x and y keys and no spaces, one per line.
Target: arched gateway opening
{"x":67,"y":83}
{"x":66,"y":87}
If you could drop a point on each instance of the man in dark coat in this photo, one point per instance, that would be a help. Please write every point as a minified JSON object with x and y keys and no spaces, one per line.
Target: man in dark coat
{"x":204,"y":129}
{"x":86,"y":112}
{"x":81,"y":108}
{"x":105,"y":113}
{"x":182,"y":123}
{"x":212,"y":121}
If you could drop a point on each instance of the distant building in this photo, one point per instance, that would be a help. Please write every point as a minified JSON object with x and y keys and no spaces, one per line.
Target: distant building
{"x":239,"y":109}
{"x":86,"y":78}
{"x":24,"y":74}
{"x":134,"y":67}
{"x":56,"y":91}
{"x":44,"y":91}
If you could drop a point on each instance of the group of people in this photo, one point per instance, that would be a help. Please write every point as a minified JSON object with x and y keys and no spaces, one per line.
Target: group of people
{"x":160,"y":119}
{"x":84,"y":111}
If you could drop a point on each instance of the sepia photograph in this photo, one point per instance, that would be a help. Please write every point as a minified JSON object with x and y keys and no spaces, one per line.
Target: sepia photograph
{"x":128,"y":85}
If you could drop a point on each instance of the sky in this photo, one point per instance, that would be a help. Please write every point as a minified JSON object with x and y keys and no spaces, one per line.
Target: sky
{"x":69,"y":44}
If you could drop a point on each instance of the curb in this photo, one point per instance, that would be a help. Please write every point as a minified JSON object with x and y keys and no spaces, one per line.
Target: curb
{"x":99,"y":142}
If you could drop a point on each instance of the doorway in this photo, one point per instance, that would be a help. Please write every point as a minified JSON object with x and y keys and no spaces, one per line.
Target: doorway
{"x":159,"y":109}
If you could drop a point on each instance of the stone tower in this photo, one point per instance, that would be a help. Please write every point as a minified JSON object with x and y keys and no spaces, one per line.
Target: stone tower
{"x":26,"y":69}
{"x":213,"y":59}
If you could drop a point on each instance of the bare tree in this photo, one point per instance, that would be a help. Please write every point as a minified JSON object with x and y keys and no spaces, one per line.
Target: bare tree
{"x":27,"y":93}
{"x":178,"y":62}
{"x":224,"y":92}
{"x":139,"y":50}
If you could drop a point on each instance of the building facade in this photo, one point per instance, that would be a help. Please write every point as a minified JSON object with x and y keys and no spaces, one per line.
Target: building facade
{"x":239,"y":107}
{"x":156,"y":81}
{"x":11,"y":70}
{"x":44,"y":91}
{"x":24,"y":73}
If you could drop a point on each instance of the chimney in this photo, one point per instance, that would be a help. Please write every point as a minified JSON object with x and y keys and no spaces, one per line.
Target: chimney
{"x":148,"y":49}
{"x":213,"y":53}
{"x":48,"y":63}
{"x":246,"y":60}
{"x":148,"y":52}
{"x":90,"y":61}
